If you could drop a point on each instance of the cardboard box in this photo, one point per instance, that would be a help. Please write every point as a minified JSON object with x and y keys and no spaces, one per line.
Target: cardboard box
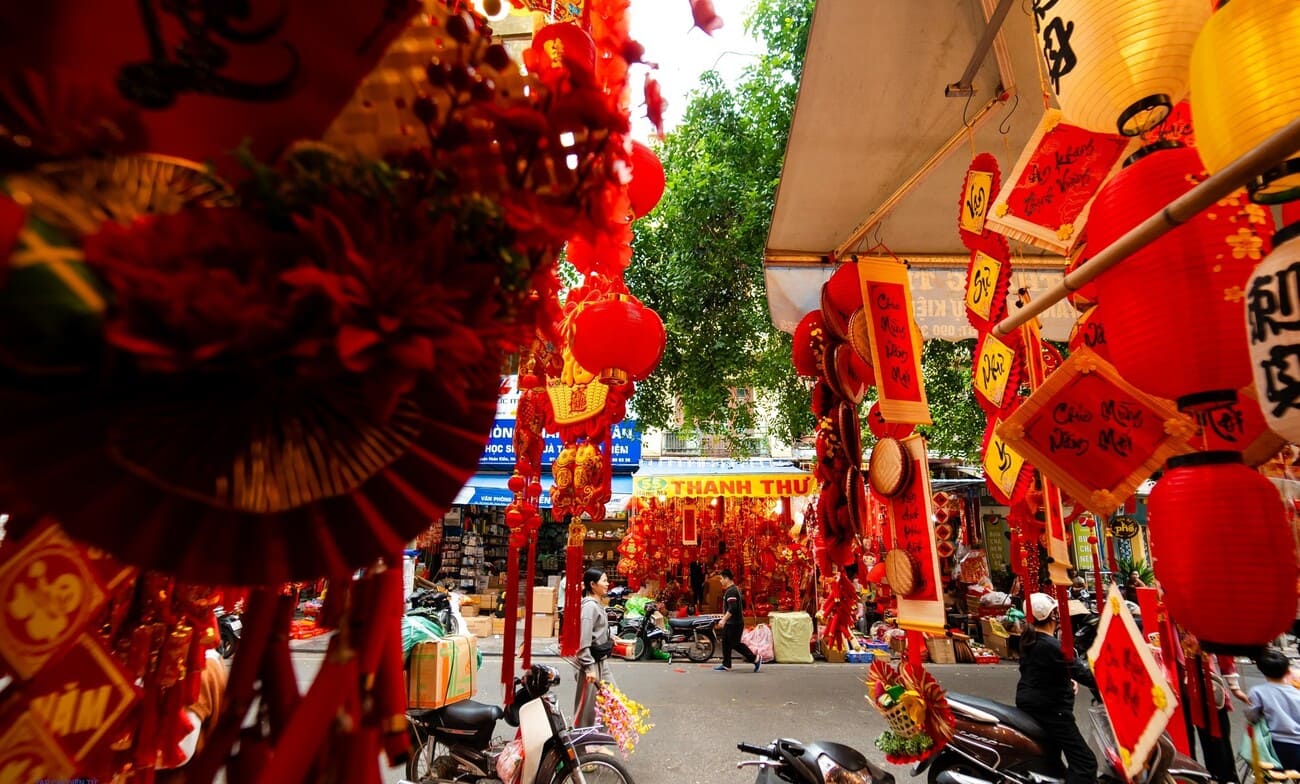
{"x":545,"y":625}
{"x":498,"y":625}
{"x":545,"y":599}
{"x":443,"y":672}
{"x":996,"y":637}
{"x":479,"y":626}
{"x":941,"y":650}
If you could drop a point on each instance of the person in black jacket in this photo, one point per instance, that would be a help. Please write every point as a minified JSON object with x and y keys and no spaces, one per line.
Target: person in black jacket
{"x":1045,"y":690}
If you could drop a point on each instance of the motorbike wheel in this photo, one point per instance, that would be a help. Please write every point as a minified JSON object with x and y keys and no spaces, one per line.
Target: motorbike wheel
{"x":701,"y":648}
{"x":420,"y":765}
{"x":948,"y":760}
{"x":639,"y":649}
{"x":596,"y":768}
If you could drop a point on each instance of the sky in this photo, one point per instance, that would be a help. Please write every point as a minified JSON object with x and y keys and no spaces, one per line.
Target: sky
{"x":665,"y":28}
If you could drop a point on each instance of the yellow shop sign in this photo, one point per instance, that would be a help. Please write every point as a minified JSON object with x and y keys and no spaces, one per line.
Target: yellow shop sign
{"x":728,"y":486}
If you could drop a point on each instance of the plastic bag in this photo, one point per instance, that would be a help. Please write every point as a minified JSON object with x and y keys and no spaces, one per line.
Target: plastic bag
{"x":759,"y":640}
{"x":511,"y":761}
{"x":1263,"y":743}
{"x":417,"y":629}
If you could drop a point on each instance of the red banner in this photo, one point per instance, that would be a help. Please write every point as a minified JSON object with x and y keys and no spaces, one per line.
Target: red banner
{"x":895,"y":340}
{"x":911,"y":521}
{"x":1048,"y":195}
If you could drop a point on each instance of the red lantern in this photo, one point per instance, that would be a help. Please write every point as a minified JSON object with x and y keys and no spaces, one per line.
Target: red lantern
{"x":619,"y":338}
{"x":647,"y":185}
{"x":1219,"y":532}
{"x":562,"y":49}
{"x":1173,"y":312}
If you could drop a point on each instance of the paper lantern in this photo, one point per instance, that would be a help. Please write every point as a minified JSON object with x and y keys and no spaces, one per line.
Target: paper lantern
{"x":1118,"y":66}
{"x":1219,"y":532}
{"x":1245,"y":81}
{"x":647,"y":185}
{"x":1171,"y":311}
{"x":562,"y":48}
{"x":621,"y":337}
{"x":1273,"y":331}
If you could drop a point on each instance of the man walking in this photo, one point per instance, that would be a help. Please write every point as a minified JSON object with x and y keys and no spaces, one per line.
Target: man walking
{"x":732,"y":624}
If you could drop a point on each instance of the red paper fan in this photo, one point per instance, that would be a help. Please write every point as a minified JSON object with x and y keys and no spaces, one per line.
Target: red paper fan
{"x":809,"y":344}
{"x":236,"y":484}
{"x":844,"y":291}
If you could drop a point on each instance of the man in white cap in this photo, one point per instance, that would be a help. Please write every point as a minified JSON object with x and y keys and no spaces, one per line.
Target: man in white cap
{"x":1046,"y":693}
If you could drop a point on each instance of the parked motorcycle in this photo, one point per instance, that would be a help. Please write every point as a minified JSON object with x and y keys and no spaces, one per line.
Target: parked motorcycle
{"x":692,"y":637}
{"x":441,"y":606}
{"x":230,"y":628}
{"x":454,"y":744}
{"x":998,"y":743}
{"x":1084,"y":624}
{"x":812,"y":763}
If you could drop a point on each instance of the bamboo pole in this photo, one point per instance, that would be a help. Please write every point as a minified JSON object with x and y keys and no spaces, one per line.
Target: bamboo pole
{"x":1268,"y":154}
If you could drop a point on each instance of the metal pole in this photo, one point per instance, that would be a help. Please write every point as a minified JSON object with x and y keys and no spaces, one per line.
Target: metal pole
{"x":1268,"y":154}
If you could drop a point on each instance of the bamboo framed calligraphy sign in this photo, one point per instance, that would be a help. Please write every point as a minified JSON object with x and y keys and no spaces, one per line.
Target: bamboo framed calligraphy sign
{"x":1094,"y":434}
{"x":1137,"y":697}
{"x":1046,"y":199}
{"x":895,"y":340}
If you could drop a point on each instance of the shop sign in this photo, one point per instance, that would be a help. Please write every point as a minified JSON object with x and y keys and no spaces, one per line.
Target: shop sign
{"x":1094,"y":434}
{"x":1123,"y":527}
{"x":895,"y":340}
{"x":1046,"y":199}
{"x":727,"y":486}
{"x":624,"y":450}
{"x":1082,"y":550}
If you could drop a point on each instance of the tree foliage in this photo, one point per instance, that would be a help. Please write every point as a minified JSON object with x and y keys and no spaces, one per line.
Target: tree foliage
{"x":698,"y":261}
{"x":698,"y":258}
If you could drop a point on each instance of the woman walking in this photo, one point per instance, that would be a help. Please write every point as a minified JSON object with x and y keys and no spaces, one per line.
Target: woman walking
{"x":596,"y":644}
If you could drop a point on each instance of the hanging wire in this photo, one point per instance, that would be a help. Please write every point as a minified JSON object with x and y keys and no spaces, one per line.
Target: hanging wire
{"x":1004,"y":127}
{"x":964,"y":109}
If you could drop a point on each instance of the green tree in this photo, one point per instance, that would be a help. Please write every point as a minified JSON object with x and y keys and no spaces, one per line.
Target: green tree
{"x":698,"y":261}
{"x":699,"y":256}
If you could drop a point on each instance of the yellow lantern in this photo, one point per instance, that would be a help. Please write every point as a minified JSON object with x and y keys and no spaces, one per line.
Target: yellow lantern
{"x":1246,"y":86}
{"x":1118,"y":66}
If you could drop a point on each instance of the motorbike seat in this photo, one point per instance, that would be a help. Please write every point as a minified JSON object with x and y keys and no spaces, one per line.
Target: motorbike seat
{"x":467,"y":715}
{"x":695,"y":622}
{"x":1012,"y":717}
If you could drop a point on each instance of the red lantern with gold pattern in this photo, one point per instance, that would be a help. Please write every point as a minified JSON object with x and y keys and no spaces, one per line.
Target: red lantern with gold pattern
{"x":562,"y":49}
{"x":1173,"y":310}
{"x":618,"y":338}
{"x":1219,"y":532}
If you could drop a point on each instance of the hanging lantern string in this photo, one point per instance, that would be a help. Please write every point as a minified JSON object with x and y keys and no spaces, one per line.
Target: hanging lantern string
{"x":1267,"y":155}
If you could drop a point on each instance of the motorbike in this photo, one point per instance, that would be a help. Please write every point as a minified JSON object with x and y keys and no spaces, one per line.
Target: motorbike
{"x":692,"y":637}
{"x":230,"y":627}
{"x":454,"y":744}
{"x":1083,"y":625}
{"x":812,"y":763}
{"x":442,"y":606}
{"x":998,"y":743}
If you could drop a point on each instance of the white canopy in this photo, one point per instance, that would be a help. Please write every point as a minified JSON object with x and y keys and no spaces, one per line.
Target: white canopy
{"x":866,"y":164}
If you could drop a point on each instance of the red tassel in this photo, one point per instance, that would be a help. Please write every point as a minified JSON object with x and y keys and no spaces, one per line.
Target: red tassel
{"x":527,"y":658}
{"x":279,"y":684}
{"x":310,"y":725}
{"x":573,"y":569}
{"x":390,"y":698}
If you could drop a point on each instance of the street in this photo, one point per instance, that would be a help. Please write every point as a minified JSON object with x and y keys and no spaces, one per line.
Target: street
{"x":699,"y":715}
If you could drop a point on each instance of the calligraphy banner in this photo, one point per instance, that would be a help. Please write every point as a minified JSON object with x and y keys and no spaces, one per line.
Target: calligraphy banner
{"x":895,"y":340}
{"x":1094,"y":434}
{"x":1240,"y":427}
{"x":1058,"y":538}
{"x":1045,"y":201}
{"x":996,"y":364}
{"x":1138,"y":699}
{"x":911,"y":522}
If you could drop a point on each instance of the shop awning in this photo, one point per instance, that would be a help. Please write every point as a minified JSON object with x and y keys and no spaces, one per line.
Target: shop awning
{"x":485,"y":489}
{"x":729,"y":479}
{"x":877,"y":152}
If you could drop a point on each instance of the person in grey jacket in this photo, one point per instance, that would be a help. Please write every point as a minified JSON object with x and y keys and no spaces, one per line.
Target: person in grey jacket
{"x":595,"y":640}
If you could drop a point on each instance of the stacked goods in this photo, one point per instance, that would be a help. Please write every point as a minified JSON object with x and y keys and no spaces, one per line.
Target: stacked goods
{"x":545,"y":607}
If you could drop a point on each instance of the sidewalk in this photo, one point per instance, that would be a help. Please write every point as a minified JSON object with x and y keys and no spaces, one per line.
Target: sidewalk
{"x":489,"y":646}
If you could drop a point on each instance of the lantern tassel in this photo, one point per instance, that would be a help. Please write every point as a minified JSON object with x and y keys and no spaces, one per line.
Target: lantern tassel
{"x":573,"y":570}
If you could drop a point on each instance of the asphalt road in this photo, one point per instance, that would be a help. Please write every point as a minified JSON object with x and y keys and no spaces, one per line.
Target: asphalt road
{"x":699,"y":715}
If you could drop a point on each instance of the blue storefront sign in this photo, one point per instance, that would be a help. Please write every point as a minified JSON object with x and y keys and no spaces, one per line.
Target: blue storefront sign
{"x":625,"y":448}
